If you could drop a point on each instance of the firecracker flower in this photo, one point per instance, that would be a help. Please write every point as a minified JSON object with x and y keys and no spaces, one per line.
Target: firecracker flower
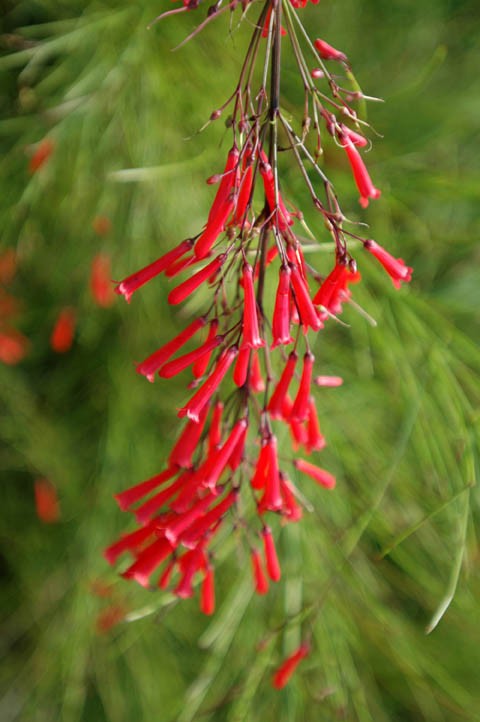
{"x":249,"y":352}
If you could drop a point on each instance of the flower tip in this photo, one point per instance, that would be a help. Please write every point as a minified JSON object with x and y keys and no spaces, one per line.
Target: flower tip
{"x":120,"y":290}
{"x":121,"y":501}
{"x":140,"y":577}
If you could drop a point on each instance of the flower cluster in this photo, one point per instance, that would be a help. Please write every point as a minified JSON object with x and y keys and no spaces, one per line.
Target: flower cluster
{"x":249,"y":351}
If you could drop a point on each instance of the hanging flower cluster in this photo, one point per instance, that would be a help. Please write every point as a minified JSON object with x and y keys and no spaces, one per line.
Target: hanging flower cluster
{"x":249,"y":355}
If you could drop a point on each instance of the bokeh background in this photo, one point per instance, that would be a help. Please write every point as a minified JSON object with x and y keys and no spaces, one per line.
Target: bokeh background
{"x":101,"y":163}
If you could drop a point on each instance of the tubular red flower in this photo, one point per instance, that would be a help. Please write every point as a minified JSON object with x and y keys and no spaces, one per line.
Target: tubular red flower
{"x":330,"y":381}
{"x":395,"y":267}
{"x":145,"y":512}
{"x":215,"y":433}
{"x":272,"y":498}
{"x":212,"y":230}
{"x":127,"y":498}
{"x":207,"y":522}
{"x":173,"y":269}
{"x":151,"y":364}
{"x":177,"y":365}
{"x":306,"y":309}
{"x":257,"y":384}
{"x":63,"y":332}
{"x":174,"y":530}
{"x":181,"y":292}
{"x":221,"y":208}
{"x":258,"y":479}
{"x":187,"y":443}
{"x":207,"y":595}
{"x":281,"y":216}
{"x":334,"y":289}
{"x":291,"y":510}
{"x":359,"y":140}
{"x":271,"y":558}
{"x":205,"y":392}
{"x":300,"y":405}
{"x":189,"y":494}
{"x":129,"y":543}
{"x":322,"y":477}
{"x":244,"y":194}
{"x":298,"y":431}
{"x":260,"y":580}
{"x":148,"y":560}
{"x":221,"y":456}
{"x":278,"y":397}
{"x":200,"y":366}
{"x":132,"y":283}
{"x":251,"y":334}
{"x":289,"y":665}
{"x":166,"y":575}
{"x":190,"y":563}
{"x":237,"y":454}
{"x":315,"y":439}
{"x":227,"y":182}
{"x":281,"y":314}
{"x":241,"y":366}
{"x":362,"y":179}
{"x":328,"y":52}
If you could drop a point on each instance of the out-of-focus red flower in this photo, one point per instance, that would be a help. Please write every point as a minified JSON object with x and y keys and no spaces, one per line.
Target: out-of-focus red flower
{"x":288,"y":667}
{"x":46,"y":501}
{"x":13,"y":346}
{"x":110,"y":617}
{"x":42,"y":153}
{"x":102,"y":225}
{"x":8,"y":266}
{"x":100,"y":281}
{"x":63,"y":332}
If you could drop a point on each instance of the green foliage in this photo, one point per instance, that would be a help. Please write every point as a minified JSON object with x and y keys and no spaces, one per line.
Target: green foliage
{"x":393,"y":551}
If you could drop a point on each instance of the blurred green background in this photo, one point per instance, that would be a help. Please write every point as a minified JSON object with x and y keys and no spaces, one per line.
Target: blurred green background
{"x":379,"y":560}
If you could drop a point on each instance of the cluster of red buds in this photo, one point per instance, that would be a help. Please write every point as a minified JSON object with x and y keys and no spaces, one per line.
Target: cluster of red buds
{"x":252,"y":369}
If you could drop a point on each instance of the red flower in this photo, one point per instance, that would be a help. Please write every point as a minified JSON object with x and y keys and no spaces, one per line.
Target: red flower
{"x":222,"y":206}
{"x":132,"y":283}
{"x":46,"y":501}
{"x":207,"y":604}
{"x":205,"y":392}
{"x":251,"y":334}
{"x":275,"y":406}
{"x":13,"y":346}
{"x":334,"y":289}
{"x":322,"y":477}
{"x":181,"y":292}
{"x":300,"y":405}
{"x":289,"y":665}
{"x":395,"y":267}
{"x":100,"y":281}
{"x":271,"y":558}
{"x":306,"y":309}
{"x":281,"y":314}
{"x":42,"y":153}
{"x":151,"y":364}
{"x":261,"y":582}
{"x":328,"y":52}
{"x":362,"y":179}
{"x":61,"y":339}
